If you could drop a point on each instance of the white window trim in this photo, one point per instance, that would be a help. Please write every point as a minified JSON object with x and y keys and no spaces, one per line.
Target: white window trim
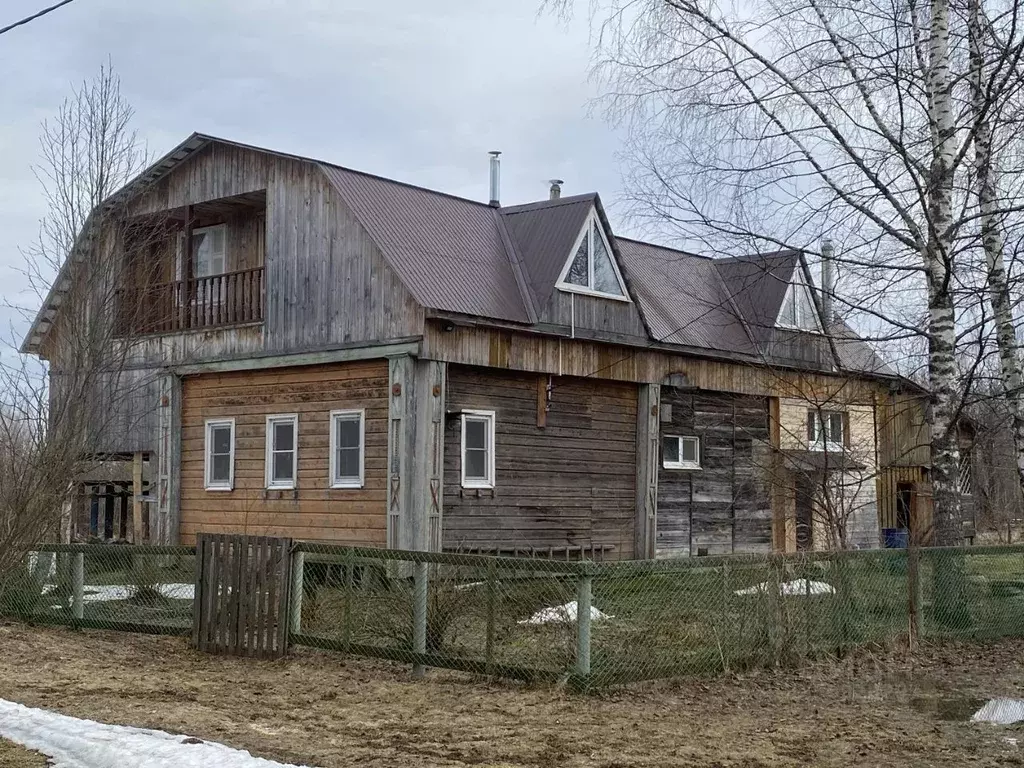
{"x":682,"y":464}
{"x":280,"y":485}
{"x":808,"y":293}
{"x":819,"y":444}
{"x":347,"y":414}
{"x":488,"y":482}
{"x":592,"y":223}
{"x":208,"y":445}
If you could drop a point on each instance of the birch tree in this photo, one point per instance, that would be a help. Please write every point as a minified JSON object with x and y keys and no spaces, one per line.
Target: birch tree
{"x":766,"y":125}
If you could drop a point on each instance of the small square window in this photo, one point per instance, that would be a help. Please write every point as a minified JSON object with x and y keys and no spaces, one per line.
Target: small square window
{"x":680,"y":452}
{"x":478,"y":449}
{"x":282,"y":452}
{"x":347,"y":440}
{"x":220,"y":454}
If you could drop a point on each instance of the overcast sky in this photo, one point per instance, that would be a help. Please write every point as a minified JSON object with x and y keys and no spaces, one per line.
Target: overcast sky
{"x":417,"y":91}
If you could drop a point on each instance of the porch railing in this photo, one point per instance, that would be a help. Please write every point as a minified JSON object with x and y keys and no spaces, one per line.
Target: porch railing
{"x":231,"y":298}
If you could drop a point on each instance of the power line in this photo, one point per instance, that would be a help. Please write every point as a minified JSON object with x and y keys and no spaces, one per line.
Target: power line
{"x":34,"y":16}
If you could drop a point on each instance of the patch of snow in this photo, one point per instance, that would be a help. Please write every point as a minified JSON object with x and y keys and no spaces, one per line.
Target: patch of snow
{"x":1000,"y":712}
{"x":470,"y":585}
{"x":103,"y":593}
{"x":563,"y":614}
{"x":73,"y":743}
{"x":795,"y":588}
{"x":49,"y":565}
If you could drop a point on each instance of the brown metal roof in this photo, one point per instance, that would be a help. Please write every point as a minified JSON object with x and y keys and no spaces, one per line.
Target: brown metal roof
{"x":544,"y":234}
{"x":757,"y":285}
{"x":683,"y":297}
{"x":447,"y":250}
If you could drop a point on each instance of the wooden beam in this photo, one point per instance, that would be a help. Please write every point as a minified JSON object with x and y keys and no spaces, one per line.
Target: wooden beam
{"x":343,"y":355}
{"x":137,"y":498}
{"x":542,"y":401}
{"x":647,"y":439}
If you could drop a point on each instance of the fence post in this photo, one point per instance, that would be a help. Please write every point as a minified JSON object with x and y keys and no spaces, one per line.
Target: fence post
{"x":350,"y":595}
{"x":78,"y":585}
{"x":295,"y":604}
{"x":419,"y":615}
{"x":492,"y":589}
{"x":914,"y":591}
{"x":584,"y":600}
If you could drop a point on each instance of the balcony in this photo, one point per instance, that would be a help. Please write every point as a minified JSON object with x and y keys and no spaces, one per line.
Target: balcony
{"x":215,"y":301}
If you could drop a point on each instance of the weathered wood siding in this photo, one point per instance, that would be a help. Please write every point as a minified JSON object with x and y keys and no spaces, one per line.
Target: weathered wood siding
{"x":313,"y":511}
{"x":569,"y":483}
{"x":327,"y":283}
{"x":725,"y":506}
{"x":582,"y":312}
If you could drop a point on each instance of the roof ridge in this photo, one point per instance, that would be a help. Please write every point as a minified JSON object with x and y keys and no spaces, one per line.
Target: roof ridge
{"x":542,"y":204}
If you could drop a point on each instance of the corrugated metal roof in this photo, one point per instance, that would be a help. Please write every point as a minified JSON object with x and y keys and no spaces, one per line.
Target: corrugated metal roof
{"x":683,"y":297}
{"x":447,"y":250}
{"x":757,"y":285}
{"x":544,"y":233}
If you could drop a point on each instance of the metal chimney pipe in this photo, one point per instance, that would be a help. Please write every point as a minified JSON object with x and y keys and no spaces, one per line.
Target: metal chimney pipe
{"x":556,"y":189}
{"x":495,"y":179}
{"x":828,"y":280}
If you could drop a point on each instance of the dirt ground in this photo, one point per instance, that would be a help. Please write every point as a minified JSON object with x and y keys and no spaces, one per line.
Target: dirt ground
{"x":13,"y":756}
{"x":323,"y":710}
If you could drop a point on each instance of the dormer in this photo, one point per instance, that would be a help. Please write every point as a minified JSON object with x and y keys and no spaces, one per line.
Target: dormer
{"x":590,"y":268}
{"x":798,"y":312}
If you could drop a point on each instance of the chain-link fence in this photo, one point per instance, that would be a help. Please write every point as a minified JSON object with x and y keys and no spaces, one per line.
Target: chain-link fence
{"x":590,"y":623}
{"x":130,"y":588}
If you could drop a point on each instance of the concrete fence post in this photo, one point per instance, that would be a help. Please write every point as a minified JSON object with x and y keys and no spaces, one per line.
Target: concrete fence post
{"x":584,"y":600}
{"x":295,"y":603}
{"x":419,"y":615}
{"x":78,"y":585}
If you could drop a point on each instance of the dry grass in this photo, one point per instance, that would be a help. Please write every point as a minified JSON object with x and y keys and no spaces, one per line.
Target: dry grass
{"x":323,"y":710}
{"x":13,"y":756}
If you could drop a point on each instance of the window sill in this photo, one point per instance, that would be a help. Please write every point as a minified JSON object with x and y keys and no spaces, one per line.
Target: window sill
{"x":280,"y":487}
{"x":679,"y":465}
{"x":346,"y":485}
{"x":220,"y":488}
{"x":582,"y":291}
{"x":478,"y":486}
{"x":829,"y":447}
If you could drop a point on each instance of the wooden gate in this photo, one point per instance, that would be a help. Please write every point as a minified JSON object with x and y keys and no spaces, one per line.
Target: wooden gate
{"x":241,"y":603}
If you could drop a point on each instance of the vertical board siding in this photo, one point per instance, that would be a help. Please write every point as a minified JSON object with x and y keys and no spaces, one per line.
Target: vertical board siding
{"x":725,"y":506}
{"x":571,"y":483}
{"x":594,"y":314}
{"x":313,"y":511}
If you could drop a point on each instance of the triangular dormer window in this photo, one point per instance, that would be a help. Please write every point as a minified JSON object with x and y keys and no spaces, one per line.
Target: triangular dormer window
{"x":591,"y":268}
{"x":798,"y":311}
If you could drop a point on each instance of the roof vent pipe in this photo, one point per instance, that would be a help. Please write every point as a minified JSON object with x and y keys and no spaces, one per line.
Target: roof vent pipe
{"x":828,"y":280}
{"x":556,"y":189}
{"x":495,"y":179}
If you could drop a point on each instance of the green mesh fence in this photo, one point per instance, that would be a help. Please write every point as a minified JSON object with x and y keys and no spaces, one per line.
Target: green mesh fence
{"x":592,"y":624}
{"x":139,"y":589}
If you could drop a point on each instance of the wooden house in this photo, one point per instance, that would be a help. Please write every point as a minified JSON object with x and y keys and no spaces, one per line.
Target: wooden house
{"x":325,"y":354}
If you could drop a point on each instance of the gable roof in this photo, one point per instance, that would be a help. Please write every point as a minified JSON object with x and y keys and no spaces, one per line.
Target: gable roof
{"x":466,"y":257}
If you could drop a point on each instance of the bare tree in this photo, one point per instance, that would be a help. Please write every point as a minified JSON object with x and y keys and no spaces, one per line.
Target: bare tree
{"x":50,"y":419}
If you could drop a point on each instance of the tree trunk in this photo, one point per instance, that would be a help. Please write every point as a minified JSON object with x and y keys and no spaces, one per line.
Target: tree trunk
{"x":992,"y":242}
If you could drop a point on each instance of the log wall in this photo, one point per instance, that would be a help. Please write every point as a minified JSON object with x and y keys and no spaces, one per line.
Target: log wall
{"x":569,"y":483}
{"x":313,"y":511}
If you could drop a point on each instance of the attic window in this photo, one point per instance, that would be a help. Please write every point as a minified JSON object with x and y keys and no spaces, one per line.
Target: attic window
{"x":798,"y":310}
{"x":591,"y":269}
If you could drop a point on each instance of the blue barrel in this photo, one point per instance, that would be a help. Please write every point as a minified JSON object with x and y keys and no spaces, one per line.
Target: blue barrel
{"x":896,"y":538}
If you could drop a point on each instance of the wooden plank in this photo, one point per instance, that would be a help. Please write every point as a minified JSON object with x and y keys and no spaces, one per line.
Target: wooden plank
{"x":137,"y":498}
{"x":260,"y":592}
{"x":243,"y":597}
{"x":273,"y":560}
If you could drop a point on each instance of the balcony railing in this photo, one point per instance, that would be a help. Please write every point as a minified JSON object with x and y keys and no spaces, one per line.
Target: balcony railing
{"x":231,"y":298}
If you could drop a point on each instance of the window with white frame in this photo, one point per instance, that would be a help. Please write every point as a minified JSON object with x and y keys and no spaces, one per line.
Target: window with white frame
{"x":478,"y":449}
{"x":282,"y":451}
{"x":680,"y":452}
{"x":826,"y":430}
{"x":220,"y":454}
{"x":798,"y":310}
{"x":347,"y":439}
{"x":591,"y":268}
